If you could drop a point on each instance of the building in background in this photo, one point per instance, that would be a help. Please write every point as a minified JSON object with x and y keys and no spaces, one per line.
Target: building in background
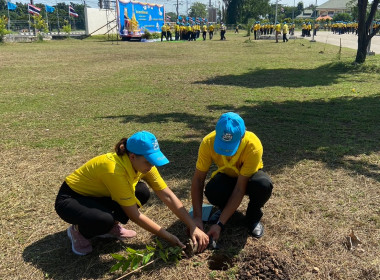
{"x":333,"y":7}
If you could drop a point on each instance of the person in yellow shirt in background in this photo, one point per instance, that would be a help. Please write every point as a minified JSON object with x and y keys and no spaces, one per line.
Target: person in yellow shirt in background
{"x":237,"y":153}
{"x":107,"y":191}
{"x":183,"y":31}
{"x":163,"y":33}
{"x":168,"y":32}
{"x":223,"y":29}
{"x":176,"y":29}
{"x":278,"y":30}
{"x":285,"y":30}
{"x":303,"y":29}
{"x":271,"y":28}
{"x":211,"y":31}
{"x":204,"y":31}
{"x":308,"y":29}
{"x":256,"y":29}
{"x":190,"y":33}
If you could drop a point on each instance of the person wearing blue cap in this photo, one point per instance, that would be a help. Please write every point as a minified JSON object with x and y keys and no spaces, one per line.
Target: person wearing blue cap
{"x":107,"y":190}
{"x":238,"y":155}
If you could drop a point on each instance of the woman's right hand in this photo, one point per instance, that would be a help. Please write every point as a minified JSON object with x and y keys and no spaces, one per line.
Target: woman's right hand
{"x":175,"y":241}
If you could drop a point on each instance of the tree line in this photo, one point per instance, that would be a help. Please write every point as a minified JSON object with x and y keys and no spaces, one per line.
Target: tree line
{"x":19,"y":17}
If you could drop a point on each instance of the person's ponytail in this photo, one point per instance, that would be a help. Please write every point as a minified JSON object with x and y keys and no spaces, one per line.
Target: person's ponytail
{"x":120,"y":147}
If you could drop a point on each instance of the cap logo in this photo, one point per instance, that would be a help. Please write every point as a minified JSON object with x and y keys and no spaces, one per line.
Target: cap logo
{"x":155,"y":145}
{"x":227,"y":137}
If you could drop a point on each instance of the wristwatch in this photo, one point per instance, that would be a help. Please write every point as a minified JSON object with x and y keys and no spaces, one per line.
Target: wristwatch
{"x":219,"y":223}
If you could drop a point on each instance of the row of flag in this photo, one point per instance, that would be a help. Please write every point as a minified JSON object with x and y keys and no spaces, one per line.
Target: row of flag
{"x":36,"y":11}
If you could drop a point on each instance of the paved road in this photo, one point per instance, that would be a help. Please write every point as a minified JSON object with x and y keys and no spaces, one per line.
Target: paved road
{"x":348,"y":40}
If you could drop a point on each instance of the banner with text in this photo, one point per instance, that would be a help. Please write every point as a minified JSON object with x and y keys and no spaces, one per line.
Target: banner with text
{"x":149,"y":16}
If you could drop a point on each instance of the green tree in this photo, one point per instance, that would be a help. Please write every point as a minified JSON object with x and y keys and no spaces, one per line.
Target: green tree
{"x":239,"y":11}
{"x":342,"y":17}
{"x":365,"y":20}
{"x":198,"y":10}
{"x":173,"y":16}
{"x":299,"y":8}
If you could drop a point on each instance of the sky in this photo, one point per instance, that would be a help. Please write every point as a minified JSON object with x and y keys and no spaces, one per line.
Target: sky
{"x":169,"y":4}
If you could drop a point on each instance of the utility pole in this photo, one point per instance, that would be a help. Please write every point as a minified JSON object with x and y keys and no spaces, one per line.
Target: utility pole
{"x":294,"y":7}
{"x":275,"y":17}
{"x":177,"y":10}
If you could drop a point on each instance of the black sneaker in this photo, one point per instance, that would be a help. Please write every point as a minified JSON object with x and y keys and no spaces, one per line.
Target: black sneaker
{"x":257,"y":230}
{"x":215,"y":217}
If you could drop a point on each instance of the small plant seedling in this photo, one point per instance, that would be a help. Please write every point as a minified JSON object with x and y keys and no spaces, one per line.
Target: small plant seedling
{"x":140,"y":258}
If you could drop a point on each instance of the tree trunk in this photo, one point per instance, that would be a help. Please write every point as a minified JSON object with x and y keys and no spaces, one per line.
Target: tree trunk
{"x":364,"y":24}
{"x":362,"y":32}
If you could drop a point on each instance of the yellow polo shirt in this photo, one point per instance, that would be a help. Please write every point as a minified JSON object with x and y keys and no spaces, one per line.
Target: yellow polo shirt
{"x":246,"y":161}
{"x":110,"y":175}
{"x":285,"y":29}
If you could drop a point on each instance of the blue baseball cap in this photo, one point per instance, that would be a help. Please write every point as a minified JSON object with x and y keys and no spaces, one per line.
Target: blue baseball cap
{"x":145,"y":143}
{"x":230,"y":129}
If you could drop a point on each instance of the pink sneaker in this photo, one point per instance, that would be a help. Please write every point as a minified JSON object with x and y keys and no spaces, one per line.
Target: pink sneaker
{"x":79,"y":244}
{"x":119,"y":232}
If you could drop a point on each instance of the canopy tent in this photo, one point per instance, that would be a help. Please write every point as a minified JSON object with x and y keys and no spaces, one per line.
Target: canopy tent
{"x":324,"y":18}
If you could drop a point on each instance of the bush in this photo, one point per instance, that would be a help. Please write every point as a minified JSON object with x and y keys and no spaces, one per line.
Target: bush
{"x":146,"y":35}
{"x":3,"y":27}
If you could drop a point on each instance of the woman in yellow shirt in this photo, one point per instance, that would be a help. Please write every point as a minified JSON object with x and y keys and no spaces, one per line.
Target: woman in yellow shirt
{"x":107,"y":191}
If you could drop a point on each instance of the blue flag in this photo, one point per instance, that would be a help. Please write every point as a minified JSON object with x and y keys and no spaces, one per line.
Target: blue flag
{"x":49,"y":9}
{"x":11,"y":6}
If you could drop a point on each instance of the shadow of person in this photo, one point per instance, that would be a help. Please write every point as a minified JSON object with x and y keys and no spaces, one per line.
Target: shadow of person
{"x":53,"y":256}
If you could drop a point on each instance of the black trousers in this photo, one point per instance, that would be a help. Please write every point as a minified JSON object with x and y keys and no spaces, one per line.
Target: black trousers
{"x":259,"y":189}
{"x":93,"y":215}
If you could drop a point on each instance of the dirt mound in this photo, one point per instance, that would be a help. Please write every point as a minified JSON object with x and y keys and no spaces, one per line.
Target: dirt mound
{"x":261,"y":262}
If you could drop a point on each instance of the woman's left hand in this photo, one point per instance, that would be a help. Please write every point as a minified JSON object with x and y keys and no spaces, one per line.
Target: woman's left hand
{"x":200,"y":238}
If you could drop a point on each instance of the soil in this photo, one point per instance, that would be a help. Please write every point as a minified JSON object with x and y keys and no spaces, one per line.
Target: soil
{"x":220,"y":262}
{"x":263,"y":263}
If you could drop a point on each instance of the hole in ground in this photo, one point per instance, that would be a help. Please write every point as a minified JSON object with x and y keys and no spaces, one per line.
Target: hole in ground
{"x":220,"y":262}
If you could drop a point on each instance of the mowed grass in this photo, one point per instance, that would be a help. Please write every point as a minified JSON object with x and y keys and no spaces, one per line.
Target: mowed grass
{"x":63,"y":102}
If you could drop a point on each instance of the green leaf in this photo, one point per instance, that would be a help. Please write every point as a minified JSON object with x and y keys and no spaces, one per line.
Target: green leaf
{"x":145,"y":259}
{"x":116,"y":266}
{"x":135,"y":263}
{"x":118,"y":257}
{"x":162,"y":255}
{"x":159,"y":244}
{"x":150,"y":248}
{"x":130,"y":250}
{"x":126,"y":264}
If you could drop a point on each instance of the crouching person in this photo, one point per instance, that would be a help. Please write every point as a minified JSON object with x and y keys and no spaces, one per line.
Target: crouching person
{"x":107,"y":191}
{"x":238,"y":156}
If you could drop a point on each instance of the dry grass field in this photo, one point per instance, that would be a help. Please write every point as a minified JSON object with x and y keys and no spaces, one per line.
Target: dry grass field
{"x":63,"y":102}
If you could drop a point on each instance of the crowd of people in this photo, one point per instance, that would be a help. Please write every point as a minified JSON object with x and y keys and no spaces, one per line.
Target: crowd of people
{"x":192,"y":32}
{"x":270,"y":28}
